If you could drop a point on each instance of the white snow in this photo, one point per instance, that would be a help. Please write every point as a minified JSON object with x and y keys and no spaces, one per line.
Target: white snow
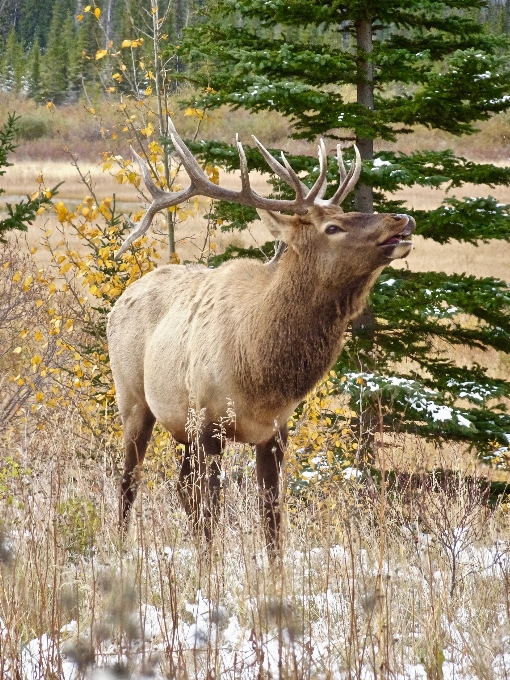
{"x":378,"y":163}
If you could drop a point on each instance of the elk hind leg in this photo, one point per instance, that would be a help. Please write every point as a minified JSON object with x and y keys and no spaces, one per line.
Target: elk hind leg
{"x":269,"y":457}
{"x":137,"y":433}
{"x":199,"y":485}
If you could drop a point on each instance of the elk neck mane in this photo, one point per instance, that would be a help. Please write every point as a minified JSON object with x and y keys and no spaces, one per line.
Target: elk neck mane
{"x":294,"y":332}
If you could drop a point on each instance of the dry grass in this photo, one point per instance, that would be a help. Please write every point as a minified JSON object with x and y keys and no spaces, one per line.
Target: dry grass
{"x":73,"y":126}
{"x":371,"y":584}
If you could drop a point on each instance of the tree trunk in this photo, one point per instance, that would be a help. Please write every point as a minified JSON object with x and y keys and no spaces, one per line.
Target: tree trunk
{"x":108,"y":23}
{"x":363,"y":327}
{"x":363,"y":200}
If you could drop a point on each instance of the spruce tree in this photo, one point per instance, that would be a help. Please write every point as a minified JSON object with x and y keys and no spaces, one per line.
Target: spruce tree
{"x":35,"y":21}
{"x":12,"y":65}
{"x":412,"y":62}
{"x":34,"y":71}
{"x":23,"y":213}
{"x":55,"y":64}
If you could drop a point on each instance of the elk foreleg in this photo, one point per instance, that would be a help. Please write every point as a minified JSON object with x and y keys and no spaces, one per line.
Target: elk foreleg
{"x":199,"y":485}
{"x":137,"y":433}
{"x":269,"y":457}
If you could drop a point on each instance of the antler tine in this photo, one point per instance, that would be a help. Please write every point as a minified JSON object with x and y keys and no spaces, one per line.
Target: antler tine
{"x":319,"y":188}
{"x":243,"y":163}
{"x":161,"y":199}
{"x":277,"y":167}
{"x":279,"y":253}
{"x":154,"y":190}
{"x":137,"y":230}
{"x":341,"y":165}
{"x":349,"y":182}
{"x":191,"y":166}
{"x":324,"y":186}
{"x":299,"y":187}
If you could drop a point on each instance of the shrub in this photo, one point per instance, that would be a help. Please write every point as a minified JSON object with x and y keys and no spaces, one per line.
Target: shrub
{"x":33,"y":127}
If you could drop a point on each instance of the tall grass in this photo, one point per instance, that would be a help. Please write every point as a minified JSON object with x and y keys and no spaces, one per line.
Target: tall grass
{"x":373,"y":583}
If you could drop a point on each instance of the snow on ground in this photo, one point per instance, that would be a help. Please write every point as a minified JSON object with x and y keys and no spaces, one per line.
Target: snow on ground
{"x":215,"y":630}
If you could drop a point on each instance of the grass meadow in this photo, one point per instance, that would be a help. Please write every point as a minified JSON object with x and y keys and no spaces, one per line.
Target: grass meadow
{"x":407,"y":580}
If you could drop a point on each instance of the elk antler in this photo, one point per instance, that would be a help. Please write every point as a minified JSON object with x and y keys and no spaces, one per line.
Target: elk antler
{"x":201,"y":186}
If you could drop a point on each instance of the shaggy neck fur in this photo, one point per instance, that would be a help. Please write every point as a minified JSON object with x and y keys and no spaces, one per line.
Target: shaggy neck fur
{"x":296,"y":332}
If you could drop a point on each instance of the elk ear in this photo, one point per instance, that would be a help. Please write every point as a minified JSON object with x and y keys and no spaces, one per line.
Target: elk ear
{"x":281,"y":226}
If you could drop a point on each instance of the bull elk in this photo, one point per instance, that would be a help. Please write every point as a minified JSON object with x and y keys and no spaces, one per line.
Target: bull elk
{"x":258,"y":336}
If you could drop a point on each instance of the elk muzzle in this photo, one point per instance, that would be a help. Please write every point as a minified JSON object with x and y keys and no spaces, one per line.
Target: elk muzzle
{"x":398,"y":244}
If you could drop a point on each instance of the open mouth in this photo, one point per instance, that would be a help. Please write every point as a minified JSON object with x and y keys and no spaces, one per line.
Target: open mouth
{"x":402,"y":236}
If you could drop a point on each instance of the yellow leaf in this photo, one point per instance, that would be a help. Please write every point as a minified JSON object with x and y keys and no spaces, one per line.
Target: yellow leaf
{"x":50,"y":105}
{"x":148,"y":90}
{"x":35,"y":360}
{"x":34,"y":196}
{"x":16,"y":277}
{"x":39,"y":396}
{"x":80,"y":17}
{"x":38,"y":336}
{"x":97,"y":12}
{"x":62,"y":212}
{"x":87,"y":8}
{"x":16,"y":350}
{"x":147,"y":131}
{"x":27,"y":282}
{"x":126,"y":43}
{"x":23,"y":334}
{"x":101,"y":53}
{"x":154,"y":147}
{"x":197,"y":113}
{"x":117,"y":77}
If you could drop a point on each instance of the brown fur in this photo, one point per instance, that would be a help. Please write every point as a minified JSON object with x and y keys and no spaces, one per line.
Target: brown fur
{"x":258,"y":336}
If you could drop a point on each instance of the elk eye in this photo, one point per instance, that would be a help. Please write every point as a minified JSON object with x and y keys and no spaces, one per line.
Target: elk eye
{"x":333,"y":229}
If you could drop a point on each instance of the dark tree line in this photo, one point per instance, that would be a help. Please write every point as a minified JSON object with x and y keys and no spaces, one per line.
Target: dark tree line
{"x":47,"y":48}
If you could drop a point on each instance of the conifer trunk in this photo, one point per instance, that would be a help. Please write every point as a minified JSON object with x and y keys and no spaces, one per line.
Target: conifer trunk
{"x":363,"y":327}
{"x":364,"y":201}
